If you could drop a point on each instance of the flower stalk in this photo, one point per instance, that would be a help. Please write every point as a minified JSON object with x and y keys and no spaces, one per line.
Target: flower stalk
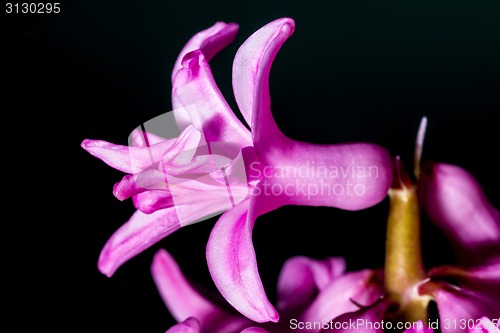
{"x":404,"y":268}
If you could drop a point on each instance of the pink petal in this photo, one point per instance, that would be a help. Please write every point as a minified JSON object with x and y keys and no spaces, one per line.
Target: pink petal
{"x":190,"y":325}
{"x":203,"y":197}
{"x":179,"y":160}
{"x":197,"y":98}
{"x":131,"y":185}
{"x":359,"y":175}
{"x":193,"y":201}
{"x":193,"y":198}
{"x":184,"y":147}
{"x":362,"y":321}
{"x":124,"y":158}
{"x":151,"y":201}
{"x":140,"y":138}
{"x":139,"y":233}
{"x":301,"y":278}
{"x":195,"y":95}
{"x":232,"y":263}
{"x":347,"y":176}
{"x":136,"y":159}
{"x":251,"y":79}
{"x":183,"y":301}
{"x":485,"y":279}
{"x":197,"y":165}
{"x":160,"y":177}
{"x":486,"y":325}
{"x":211,"y":41}
{"x":363,"y":287}
{"x":457,"y":305}
{"x":454,"y":201}
{"x":254,"y":330}
{"x":219,"y":190}
{"x":250,"y":57}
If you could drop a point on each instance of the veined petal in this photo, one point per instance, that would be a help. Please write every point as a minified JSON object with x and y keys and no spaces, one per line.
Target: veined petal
{"x":363,"y":287}
{"x":454,"y":201}
{"x":300,"y":280}
{"x":130,"y":185}
{"x":184,"y":147}
{"x":232,"y":263}
{"x":197,"y":165}
{"x":139,"y":233}
{"x":194,"y":196}
{"x":196,"y":94}
{"x":203,"y":197}
{"x":460,"y":304}
{"x":151,"y":201}
{"x":210,"y":41}
{"x":193,"y":200}
{"x":347,"y":176}
{"x":183,"y":301}
{"x":249,"y":58}
{"x":251,"y":80}
{"x":140,"y":138}
{"x":367,"y":320}
{"x":178,"y":160}
{"x":124,"y":158}
{"x":133,"y":160}
{"x":190,"y":325}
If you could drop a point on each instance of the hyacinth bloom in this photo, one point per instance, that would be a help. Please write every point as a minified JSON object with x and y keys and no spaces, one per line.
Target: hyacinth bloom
{"x":249,"y":174}
{"x":455,"y":202}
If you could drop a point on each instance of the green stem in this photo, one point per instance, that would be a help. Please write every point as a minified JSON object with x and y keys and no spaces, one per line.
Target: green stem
{"x":404,"y":268}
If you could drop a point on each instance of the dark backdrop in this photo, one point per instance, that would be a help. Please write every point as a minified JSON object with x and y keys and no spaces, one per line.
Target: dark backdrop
{"x":353,"y":71}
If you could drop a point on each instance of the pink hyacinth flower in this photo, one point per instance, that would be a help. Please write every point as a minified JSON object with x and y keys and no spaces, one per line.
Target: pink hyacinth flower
{"x":244,"y":177}
{"x":455,"y":202}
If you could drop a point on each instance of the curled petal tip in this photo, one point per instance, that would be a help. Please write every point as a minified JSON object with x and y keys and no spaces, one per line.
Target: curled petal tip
{"x":104,"y":265}
{"x":84,"y":143}
{"x":233,"y":267}
{"x":190,"y":325}
{"x":117,"y":191}
{"x":210,"y":41}
{"x":139,"y":233}
{"x":288,"y":26}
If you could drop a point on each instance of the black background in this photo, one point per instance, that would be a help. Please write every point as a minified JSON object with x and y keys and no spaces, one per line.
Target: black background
{"x":352,"y":71}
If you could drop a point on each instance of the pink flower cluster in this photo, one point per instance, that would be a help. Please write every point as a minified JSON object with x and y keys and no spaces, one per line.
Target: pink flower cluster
{"x":210,"y":168}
